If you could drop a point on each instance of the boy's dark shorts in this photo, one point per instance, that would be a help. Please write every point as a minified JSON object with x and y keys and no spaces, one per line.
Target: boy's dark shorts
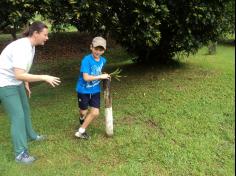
{"x":86,"y":100}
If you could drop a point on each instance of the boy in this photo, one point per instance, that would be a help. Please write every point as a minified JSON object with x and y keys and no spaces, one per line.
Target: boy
{"x":88,"y":85}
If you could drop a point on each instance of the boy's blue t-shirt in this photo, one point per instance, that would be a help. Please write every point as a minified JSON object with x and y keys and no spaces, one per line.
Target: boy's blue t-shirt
{"x":92,"y":67}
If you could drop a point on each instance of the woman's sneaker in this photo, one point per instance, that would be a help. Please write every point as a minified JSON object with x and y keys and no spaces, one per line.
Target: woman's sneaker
{"x":25,"y":158}
{"x":40,"y":138}
{"x":82,"y":135}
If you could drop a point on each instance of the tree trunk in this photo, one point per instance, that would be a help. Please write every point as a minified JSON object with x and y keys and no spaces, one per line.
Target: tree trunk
{"x":212,"y":48}
{"x":13,"y":34}
{"x":108,"y":107}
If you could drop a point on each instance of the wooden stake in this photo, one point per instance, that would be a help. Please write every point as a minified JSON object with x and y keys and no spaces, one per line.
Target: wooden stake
{"x":108,"y":107}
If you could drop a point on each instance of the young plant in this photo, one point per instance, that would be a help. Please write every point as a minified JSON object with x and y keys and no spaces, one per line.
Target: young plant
{"x":116,"y":74}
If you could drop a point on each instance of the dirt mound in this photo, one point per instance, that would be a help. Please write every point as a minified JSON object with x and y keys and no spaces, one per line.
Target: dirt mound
{"x":63,"y":45}
{"x":60,"y":45}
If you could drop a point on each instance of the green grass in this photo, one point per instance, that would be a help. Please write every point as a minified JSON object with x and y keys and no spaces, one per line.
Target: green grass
{"x":168,"y":120}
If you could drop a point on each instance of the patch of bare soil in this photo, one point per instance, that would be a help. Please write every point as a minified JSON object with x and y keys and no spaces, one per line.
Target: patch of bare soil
{"x":64,"y":45}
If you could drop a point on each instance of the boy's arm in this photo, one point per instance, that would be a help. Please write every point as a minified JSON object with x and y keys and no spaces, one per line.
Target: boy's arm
{"x":88,"y":77}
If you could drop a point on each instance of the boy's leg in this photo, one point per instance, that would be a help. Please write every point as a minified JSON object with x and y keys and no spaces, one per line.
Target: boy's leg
{"x":12,"y":104}
{"x":83,"y":102}
{"x":94,"y":103}
{"x":82,"y":114}
{"x":92,"y":114}
{"x":27,"y":114}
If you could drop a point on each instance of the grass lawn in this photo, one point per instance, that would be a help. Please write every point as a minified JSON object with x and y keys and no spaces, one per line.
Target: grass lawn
{"x":168,"y":120}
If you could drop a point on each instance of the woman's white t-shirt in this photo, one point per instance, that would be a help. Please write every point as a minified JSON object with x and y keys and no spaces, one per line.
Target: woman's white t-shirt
{"x":18,"y":54}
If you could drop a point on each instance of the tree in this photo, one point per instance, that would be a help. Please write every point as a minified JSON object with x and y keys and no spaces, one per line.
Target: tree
{"x":14,"y":15}
{"x":184,"y":26}
{"x":229,"y":17}
{"x":154,"y":30}
{"x":59,"y":13}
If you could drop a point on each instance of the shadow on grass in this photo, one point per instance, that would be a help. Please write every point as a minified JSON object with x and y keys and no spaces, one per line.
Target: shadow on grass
{"x":132,"y":68}
{"x":229,"y":42}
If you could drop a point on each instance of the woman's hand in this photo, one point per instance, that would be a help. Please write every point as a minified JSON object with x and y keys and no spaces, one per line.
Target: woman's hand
{"x":52,"y":80}
{"x":27,"y":87}
{"x":21,"y":74}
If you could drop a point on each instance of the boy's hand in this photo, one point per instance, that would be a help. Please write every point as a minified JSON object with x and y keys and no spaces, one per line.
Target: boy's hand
{"x":105,"y":76}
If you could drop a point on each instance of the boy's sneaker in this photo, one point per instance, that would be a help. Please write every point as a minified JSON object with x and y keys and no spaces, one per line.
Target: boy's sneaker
{"x":25,"y":158}
{"x":81,"y":120}
{"x":40,"y":138}
{"x":82,"y":135}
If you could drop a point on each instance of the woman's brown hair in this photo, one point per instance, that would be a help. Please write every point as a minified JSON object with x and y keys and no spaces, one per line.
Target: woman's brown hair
{"x":35,"y":26}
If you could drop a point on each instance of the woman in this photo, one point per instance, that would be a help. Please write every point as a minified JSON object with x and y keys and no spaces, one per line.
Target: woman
{"x":15,"y":63}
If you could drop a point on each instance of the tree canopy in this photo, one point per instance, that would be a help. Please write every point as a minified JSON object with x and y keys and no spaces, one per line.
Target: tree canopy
{"x":14,"y":15}
{"x":153,"y":30}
